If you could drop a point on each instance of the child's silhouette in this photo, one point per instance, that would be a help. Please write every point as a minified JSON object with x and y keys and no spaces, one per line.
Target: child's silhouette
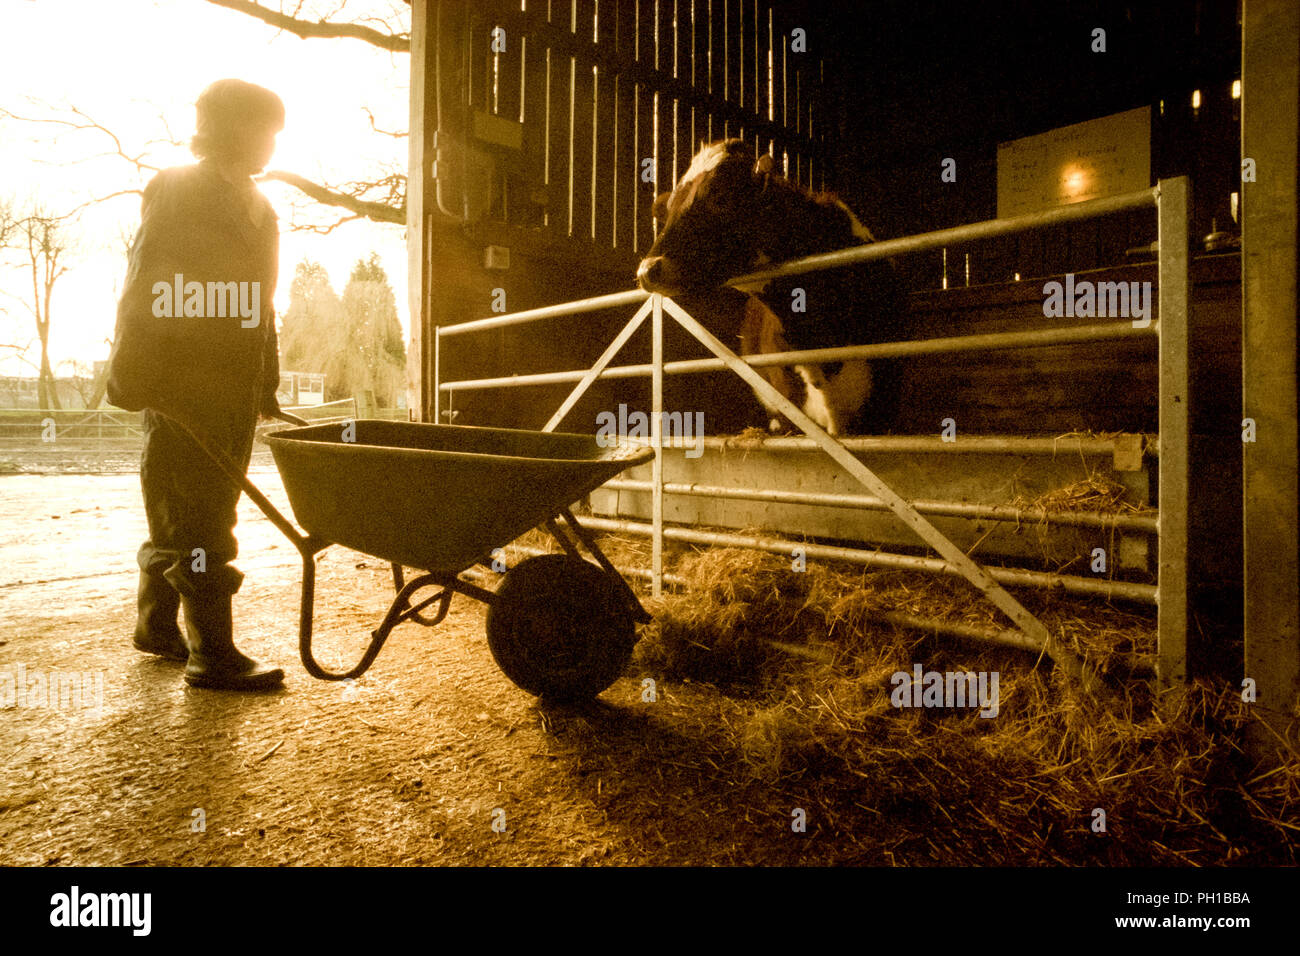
{"x":187,"y":355}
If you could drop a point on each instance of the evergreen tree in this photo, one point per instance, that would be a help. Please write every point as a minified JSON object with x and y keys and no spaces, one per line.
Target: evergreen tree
{"x":376,"y":351}
{"x":355,"y":341}
{"x":313,"y":324}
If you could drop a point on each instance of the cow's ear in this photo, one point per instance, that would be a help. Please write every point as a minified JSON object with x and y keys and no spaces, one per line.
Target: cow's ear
{"x":764,"y":165}
{"x":660,"y":208}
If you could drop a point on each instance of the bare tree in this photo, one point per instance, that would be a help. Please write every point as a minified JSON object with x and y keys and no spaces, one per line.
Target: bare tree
{"x":42,"y":246}
{"x":7,"y":222}
{"x":381,"y":198}
{"x":90,"y":387}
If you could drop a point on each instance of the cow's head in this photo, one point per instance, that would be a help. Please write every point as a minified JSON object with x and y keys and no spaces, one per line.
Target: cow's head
{"x":711,"y":229}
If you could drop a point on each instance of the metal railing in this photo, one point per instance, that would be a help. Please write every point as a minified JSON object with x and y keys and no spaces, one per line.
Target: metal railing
{"x":28,"y":425}
{"x":1170,"y":197}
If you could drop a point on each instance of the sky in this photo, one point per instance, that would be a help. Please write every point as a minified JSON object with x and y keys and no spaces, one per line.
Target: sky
{"x":136,"y":67}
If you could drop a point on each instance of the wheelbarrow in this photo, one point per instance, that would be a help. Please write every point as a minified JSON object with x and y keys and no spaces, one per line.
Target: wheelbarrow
{"x":443,"y":498}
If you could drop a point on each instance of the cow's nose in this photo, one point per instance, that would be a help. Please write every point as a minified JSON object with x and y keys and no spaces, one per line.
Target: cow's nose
{"x":652,"y":273}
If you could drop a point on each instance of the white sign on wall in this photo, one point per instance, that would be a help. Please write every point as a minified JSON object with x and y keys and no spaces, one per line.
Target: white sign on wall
{"x":1090,"y":160}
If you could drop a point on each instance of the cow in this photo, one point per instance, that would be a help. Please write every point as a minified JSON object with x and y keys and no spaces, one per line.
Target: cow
{"x":730,"y":215}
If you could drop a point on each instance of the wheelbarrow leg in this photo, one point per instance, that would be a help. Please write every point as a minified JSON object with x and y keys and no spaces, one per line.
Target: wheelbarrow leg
{"x":309,"y":549}
{"x":400,"y":610}
{"x":399,"y":582}
{"x":640,"y":614}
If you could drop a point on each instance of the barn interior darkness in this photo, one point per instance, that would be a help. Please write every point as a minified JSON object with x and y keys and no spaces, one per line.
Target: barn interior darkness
{"x":914,"y":83}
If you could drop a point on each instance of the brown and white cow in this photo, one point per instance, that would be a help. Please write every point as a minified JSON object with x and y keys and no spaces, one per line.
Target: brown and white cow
{"x":731,"y":214}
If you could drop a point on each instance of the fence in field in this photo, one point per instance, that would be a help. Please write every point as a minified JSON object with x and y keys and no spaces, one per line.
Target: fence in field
{"x":33,"y":437}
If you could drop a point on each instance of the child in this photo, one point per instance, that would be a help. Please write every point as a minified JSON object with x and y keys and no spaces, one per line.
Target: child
{"x":196,"y":343}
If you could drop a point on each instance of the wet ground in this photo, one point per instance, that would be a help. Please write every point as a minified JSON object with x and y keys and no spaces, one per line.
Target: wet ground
{"x":433,"y":757}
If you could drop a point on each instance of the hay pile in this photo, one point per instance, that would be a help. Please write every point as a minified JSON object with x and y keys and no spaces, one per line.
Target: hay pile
{"x":944,"y":785}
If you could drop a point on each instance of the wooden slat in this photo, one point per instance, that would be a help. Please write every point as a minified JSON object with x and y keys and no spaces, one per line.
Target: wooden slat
{"x":664,"y":101}
{"x":771,"y":64}
{"x":645,"y":142}
{"x":583,"y":124}
{"x":509,"y":66}
{"x":794,"y":117}
{"x":1270,"y":106}
{"x":561,"y":128}
{"x":683,"y":149}
{"x":645,"y":149}
{"x":745,"y":53}
{"x":533,"y":160}
{"x":759,"y":69}
{"x":816,"y":125}
{"x":700,"y":76}
{"x":717,"y":67}
{"x":625,"y":173}
{"x":730,"y":50}
{"x":780,"y":66}
{"x":604,"y":164}
{"x":420,"y":209}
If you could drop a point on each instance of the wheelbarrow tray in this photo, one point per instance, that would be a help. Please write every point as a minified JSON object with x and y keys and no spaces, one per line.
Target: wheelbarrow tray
{"x":436,"y":497}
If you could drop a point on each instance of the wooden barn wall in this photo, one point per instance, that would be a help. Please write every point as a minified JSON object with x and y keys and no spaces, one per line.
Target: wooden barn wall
{"x":1103,"y":387}
{"x":593,"y":89}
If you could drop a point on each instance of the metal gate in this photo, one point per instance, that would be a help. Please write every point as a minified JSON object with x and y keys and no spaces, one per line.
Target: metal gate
{"x":1170,"y":199}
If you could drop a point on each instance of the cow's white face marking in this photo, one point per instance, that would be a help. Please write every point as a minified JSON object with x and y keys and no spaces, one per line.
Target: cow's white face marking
{"x":705,"y":161}
{"x":832,"y":402}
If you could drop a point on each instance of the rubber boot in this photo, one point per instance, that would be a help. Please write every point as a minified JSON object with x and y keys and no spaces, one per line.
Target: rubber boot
{"x":155,"y":627}
{"x":214,"y":662}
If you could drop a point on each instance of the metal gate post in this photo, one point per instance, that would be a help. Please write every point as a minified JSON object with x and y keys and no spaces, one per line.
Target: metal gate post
{"x":657,"y":439}
{"x":1173,"y":208}
{"x":437,"y":376}
{"x":1270,"y":135}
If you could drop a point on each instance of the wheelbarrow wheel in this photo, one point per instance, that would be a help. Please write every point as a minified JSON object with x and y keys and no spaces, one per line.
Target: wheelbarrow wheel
{"x":560,"y":627}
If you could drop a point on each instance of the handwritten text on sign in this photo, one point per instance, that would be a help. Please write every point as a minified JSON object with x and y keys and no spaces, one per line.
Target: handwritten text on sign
{"x":1090,"y":160}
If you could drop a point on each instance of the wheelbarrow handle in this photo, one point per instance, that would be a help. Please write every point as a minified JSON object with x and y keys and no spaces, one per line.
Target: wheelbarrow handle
{"x":237,"y":475}
{"x":291,"y":418}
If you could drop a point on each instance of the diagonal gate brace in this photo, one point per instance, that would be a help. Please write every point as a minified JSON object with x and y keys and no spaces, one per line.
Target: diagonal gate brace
{"x":973,"y":572}
{"x":593,"y":373}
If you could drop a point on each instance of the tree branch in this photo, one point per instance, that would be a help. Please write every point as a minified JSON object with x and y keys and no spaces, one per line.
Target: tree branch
{"x":376,"y":211}
{"x":326,"y":230}
{"x":396,"y":42}
{"x":88,"y":123}
{"x":113,"y":195}
{"x":384,"y":131}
